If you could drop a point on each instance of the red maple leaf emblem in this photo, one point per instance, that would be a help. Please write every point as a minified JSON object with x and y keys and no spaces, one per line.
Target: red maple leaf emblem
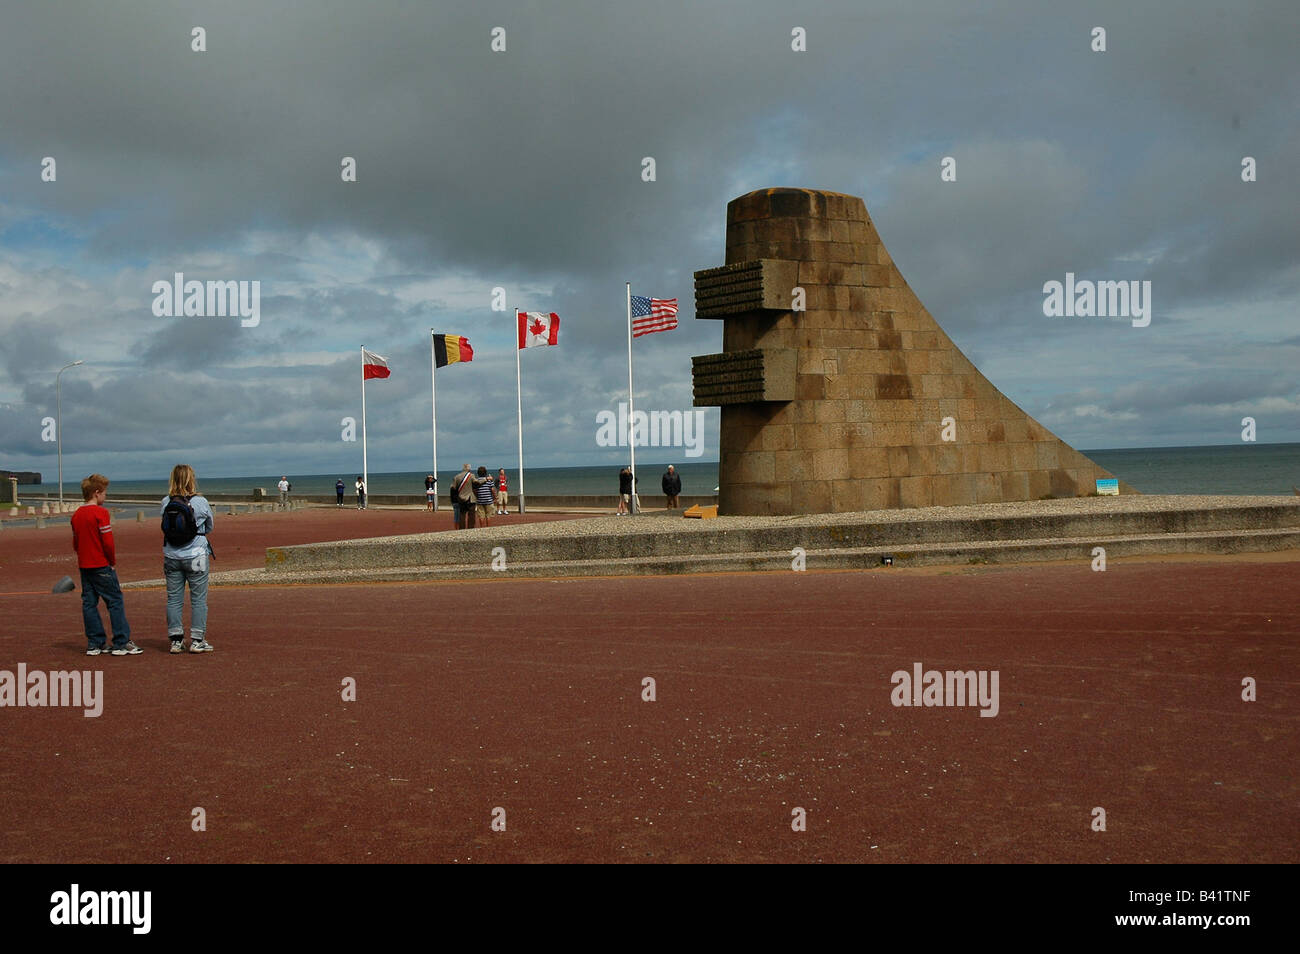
{"x":536,"y":328}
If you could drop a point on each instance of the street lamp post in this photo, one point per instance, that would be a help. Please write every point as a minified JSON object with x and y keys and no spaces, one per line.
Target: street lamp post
{"x":58,"y":423}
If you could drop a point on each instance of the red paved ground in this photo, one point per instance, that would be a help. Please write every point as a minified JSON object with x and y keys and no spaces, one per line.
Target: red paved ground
{"x":1119,"y":689}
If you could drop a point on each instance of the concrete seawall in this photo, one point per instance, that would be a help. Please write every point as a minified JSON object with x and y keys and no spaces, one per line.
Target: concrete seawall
{"x":1016,"y":532}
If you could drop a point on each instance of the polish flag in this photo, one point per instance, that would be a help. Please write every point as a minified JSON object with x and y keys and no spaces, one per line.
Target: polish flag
{"x":373,"y":366}
{"x":537,"y":329}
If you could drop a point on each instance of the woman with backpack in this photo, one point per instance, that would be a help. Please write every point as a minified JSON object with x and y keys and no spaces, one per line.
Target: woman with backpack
{"x":186,"y":523}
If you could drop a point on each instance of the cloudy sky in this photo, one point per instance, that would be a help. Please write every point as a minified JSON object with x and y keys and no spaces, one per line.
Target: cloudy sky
{"x":522,"y":169}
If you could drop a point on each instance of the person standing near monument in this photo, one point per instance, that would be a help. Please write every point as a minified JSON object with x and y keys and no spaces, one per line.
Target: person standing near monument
{"x":672,"y":485}
{"x":338,"y":492}
{"x":186,"y":522}
{"x":462,"y":498}
{"x":626,"y":488}
{"x":485,"y":494}
{"x":502,"y":499}
{"x":361,"y":493}
{"x":430,"y":491}
{"x":283,"y":486}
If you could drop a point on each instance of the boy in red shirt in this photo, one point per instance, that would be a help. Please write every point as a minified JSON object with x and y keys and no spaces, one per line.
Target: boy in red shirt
{"x":92,"y":538}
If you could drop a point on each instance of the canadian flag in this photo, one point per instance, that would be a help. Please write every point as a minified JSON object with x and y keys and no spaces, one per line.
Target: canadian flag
{"x":537,"y":329}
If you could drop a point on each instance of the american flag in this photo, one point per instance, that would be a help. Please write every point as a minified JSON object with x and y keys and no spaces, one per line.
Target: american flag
{"x":653,"y":314}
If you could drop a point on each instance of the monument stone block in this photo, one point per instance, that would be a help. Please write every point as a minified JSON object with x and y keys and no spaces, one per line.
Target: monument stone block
{"x":1015,"y":486}
{"x":840,"y":406}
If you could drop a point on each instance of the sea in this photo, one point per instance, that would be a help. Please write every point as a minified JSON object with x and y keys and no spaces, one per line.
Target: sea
{"x":1245,"y":468}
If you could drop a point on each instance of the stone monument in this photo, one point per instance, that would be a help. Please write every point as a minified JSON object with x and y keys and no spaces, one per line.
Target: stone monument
{"x":839,"y":392}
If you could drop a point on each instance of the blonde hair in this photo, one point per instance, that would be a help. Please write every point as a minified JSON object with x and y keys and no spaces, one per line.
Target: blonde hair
{"x":183,"y":483}
{"x":92,"y":485}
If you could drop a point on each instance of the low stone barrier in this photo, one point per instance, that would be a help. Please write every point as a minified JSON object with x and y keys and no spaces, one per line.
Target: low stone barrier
{"x":669,"y":536}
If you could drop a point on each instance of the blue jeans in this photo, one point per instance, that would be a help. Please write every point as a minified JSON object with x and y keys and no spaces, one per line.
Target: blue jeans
{"x":102,"y":582}
{"x":178,"y":573}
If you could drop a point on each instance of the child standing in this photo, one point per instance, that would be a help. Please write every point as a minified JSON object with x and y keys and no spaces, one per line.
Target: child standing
{"x":186,"y":522}
{"x":92,"y":538}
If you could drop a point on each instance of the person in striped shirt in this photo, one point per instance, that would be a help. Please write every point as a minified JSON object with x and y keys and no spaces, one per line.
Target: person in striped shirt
{"x":485,"y":495}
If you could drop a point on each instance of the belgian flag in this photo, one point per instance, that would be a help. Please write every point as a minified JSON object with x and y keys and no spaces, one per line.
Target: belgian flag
{"x":448,"y":349}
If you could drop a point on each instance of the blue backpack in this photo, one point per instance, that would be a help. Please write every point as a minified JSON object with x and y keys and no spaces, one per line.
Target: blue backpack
{"x":179,"y":525}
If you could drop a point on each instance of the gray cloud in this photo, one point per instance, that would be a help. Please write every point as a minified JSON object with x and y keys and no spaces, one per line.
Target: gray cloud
{"x":522,"y":170}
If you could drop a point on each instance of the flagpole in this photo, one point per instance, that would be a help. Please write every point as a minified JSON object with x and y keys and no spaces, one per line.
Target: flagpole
{"x":365,"y":466}
{"x":519,"y":406}
{"x":433,"y":403}
{"x":631,"y":428}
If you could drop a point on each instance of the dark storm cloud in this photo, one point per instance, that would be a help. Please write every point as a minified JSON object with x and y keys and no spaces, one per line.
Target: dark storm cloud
{"x":29,"y":353}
